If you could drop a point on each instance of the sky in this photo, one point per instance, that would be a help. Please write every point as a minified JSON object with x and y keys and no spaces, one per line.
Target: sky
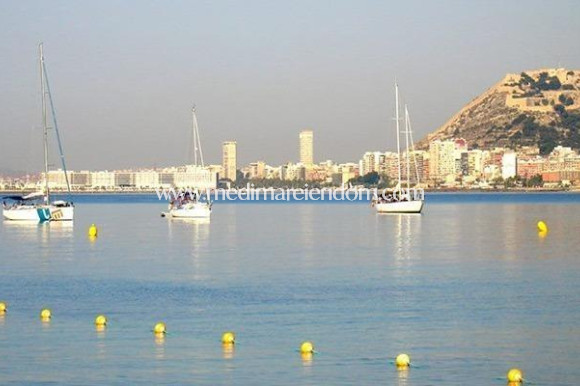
{"x":125,"y":74}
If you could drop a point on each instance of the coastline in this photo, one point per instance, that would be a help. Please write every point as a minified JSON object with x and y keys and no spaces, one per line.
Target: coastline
{"x":427,"y":191}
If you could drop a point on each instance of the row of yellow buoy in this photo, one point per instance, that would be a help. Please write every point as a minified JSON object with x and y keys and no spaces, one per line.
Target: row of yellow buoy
{"x":402,"y":361}
{"x":542,"y":228}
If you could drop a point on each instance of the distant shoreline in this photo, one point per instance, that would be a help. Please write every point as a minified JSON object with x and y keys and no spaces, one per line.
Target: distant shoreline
{"x":427,"y":191}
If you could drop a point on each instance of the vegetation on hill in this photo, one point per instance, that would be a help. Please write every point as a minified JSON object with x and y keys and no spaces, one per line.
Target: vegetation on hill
{"x":564,"y":131}
{"x":544,"y":82}
{"x":549,"y":117}
{"x":372,"y":179}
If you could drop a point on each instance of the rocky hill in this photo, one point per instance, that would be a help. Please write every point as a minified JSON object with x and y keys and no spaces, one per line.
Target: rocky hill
{"x":539,"y":107}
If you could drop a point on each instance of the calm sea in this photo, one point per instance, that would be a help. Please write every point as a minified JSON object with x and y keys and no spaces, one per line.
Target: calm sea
{"x":468,"y":289}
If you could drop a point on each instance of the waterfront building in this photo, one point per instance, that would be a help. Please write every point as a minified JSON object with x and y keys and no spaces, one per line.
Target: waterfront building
{"x":103,"y":180}
{"x":508,"y":165}
{"x":441,"y":160}
{"x":474,"y":163}
{"x":166,"y":179}
{"x":195,"y":177}
{"x":57,"y":179}
{"x":229,"y":160}
{"x":306,"y":147}
{"x":272,"y":172}
{"x":257,"y":170}
{"x":292,"y":172}
{"x":146,"y":179}
{"x":348,"y":171}
{"x":125,"y":179}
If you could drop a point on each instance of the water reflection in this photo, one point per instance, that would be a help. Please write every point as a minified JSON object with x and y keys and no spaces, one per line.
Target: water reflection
{"x":509,"y":230}
{"x":307,"y":358}
{"x":405,"y":232}
{"x":160,"y":346}
{"x":402,"y":376}
{"x":228,"y":350}
{"x":39,"y":233}
{"x":101,"y":346}
{"x":306,"y":217}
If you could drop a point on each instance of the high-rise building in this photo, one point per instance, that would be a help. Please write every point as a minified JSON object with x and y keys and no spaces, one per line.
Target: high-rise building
{"x":306,"y":147}
{"x":229,"y":160}
{"x":441,"y":160}
{"x":509,"y":164}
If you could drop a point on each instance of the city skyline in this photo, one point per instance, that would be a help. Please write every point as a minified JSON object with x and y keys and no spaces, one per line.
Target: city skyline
{"x":123,"y":91}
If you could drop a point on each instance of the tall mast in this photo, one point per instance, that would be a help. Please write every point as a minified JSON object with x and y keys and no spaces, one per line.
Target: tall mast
{"x":398,"y":131}
{"x":44,"y":123}
{"x":196,"y":139}
{"x":407,"y":152}
{"x":413,"y":150}
{"x":194,"y":135}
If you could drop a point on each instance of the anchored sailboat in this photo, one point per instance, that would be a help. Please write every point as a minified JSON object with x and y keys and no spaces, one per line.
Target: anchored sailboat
{"x":401,"y":199}
{"x":191,"y":204}
{"x":38,"y":206}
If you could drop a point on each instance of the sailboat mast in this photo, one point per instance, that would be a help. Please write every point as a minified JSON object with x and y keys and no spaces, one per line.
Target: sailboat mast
{"x":413,"y":150}
{"x":197,"y":140}
{"x":398,"y":132}
{"x":44,"y":123}
{"x":193,"y":129}
{"x":407,"y":152}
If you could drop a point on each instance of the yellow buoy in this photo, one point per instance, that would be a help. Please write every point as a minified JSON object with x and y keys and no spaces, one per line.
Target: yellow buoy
{"x":159,"y":328}
{"x":93,"y":231}
{"x":403,"y":360}
{"x":228,"y":338}
{"x":101,"y":320}
{"x":542,"y":227}
{"x":307,"y":347}
{"x":3,"y":307}
{"x":45,"y":314}
{"x":515,"y":375}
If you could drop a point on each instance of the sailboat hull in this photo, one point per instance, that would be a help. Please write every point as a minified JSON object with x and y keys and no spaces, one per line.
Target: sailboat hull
{"x":193,"y":210}
{"x":415,"y":206}
{"x":39,"y":213}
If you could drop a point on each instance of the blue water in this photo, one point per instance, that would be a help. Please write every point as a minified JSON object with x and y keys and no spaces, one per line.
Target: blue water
{"x":468,"y":289}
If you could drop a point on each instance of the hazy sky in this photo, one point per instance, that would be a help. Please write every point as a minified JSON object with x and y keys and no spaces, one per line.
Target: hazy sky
{"x":125,"y":74}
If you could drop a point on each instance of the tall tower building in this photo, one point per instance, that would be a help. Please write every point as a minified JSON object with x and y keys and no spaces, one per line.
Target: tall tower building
{"x":307,"y":147}
{"x":229,"y":160}
{"x":441,"y":159}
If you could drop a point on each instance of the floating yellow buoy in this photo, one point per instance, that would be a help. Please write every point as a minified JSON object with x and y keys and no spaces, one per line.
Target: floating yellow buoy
{"x":228,"y":338}
{"x":3,"y":307}
{"x":93,"y":230}
{"x":515,"y":375}
{"x":159,"y":328}
{"x":45,"y":314}
{"x":542,"y":227}
{"x":403,"y":360}
{"x":306,"y":347}
{"x":101,"y":320}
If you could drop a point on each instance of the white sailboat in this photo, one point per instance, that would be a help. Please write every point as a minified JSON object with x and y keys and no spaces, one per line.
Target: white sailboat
{"x":38,"y":206}
{"x":191,"y":204}
{"x":402,"y":199}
